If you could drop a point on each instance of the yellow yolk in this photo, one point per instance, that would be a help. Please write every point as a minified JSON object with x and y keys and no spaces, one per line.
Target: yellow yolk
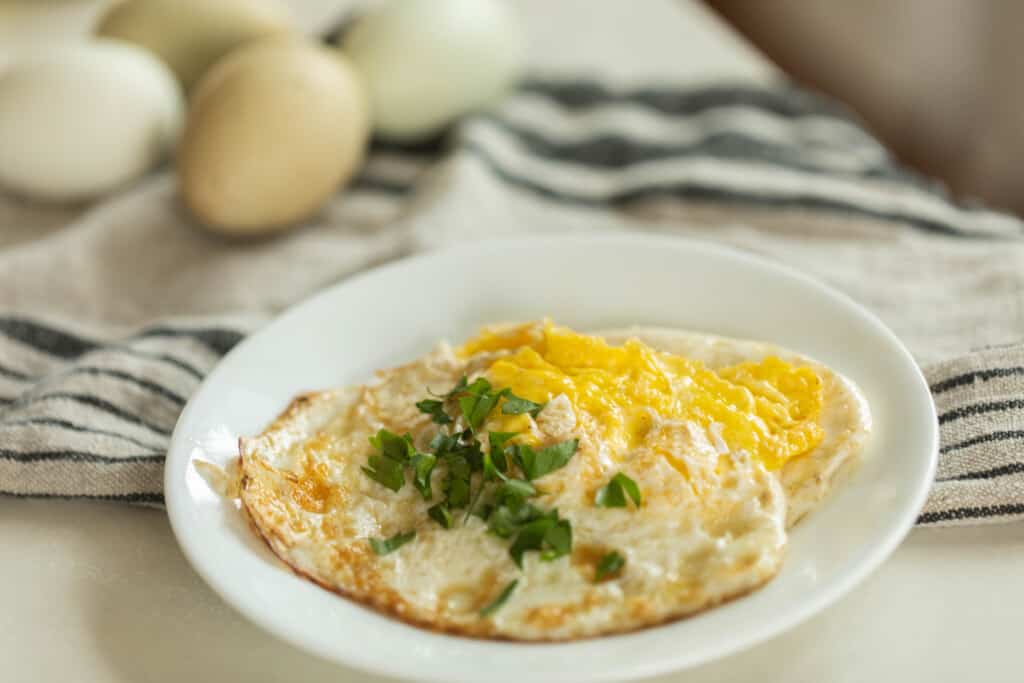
{"x":768,"y":408}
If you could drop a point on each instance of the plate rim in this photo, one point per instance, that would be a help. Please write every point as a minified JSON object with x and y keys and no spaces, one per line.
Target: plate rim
{"x":176,"y":496}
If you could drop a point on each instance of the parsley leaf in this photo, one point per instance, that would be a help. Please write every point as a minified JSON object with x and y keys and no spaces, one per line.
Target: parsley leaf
{"x":500,"y":600}
{"x":440,"y":514}
{"x":477,"y":401}
{"x":435,"y":409}
{"x":457,"y":484}
{"x":535,"y":464}
{"x":443,"y":444}
{"x":613,"y":494}
{"x":495,"y":464}
{"x":386,"y":472}
{"x":516,"y":488}
{"x":391,"y":445}
{"x":510,"y":513}
{"x":548,"y":534}
{"x":557,"y":541}
{"x":384,"y":546}
{"x":491,"y":470}
{"x":422,"y":467}
{"x":515,"y":405}
{"x":610,"y":565}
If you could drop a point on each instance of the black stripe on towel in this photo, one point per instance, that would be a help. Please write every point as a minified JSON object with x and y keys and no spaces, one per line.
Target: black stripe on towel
{"x":95,"y":402}
{"x":965,"y":513}
{"x":218,"y":340}
{"x":155,"y":498}
{"x":980,"y":409}
{"x":14,"y":374}
{"x":44,"y":338}
{"x":984,"y":438}
{"x":617,"y":151}
{"x":993,"y":473}
{"x":146,"y":384}
{"x":76,"y":456}
{"x":380,"y":185}
{"x":64,"y":344}
{"x":974,"y":376}
{"x":690,"y":191}
{"x":782,"y":100}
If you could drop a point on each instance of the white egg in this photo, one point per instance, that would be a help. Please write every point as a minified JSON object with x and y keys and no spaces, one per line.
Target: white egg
{"x":190,"y":35}
{"x":427,"y":62}
{"x":80,"y":119}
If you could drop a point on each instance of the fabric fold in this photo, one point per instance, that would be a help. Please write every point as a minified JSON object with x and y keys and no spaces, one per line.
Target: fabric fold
{"x":109,"y":325}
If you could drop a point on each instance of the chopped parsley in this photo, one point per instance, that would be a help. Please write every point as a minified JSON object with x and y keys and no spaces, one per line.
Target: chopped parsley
{"x":500,"y":600}
{"x":422,"y":467}
{"x":386,"y":546}
{"x":515,"y":405}
{"x":609,"y":566}
{"x":477,"y":401}
{"x":492,"y":477}
{"x":440,"y":514}
{"x":435,"y":409}
{"x":391,"y":445}
{"x":535,"y":464}
{"x":385,"y":472}
{"x":613,"y":494}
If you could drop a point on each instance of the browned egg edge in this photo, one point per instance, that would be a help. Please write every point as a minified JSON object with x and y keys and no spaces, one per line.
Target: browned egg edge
{"x":481,"y":630}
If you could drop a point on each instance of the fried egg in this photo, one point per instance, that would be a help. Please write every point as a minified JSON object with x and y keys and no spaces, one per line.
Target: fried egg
{"x":728,"y":444}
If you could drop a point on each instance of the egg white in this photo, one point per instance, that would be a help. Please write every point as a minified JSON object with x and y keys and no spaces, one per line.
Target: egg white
{"x":686,"y":549}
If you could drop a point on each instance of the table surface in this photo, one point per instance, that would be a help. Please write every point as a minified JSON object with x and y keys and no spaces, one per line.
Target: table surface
{"x":94,"y":592}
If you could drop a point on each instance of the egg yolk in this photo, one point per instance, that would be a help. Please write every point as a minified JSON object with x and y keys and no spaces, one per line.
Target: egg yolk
{"x":768,"y":408}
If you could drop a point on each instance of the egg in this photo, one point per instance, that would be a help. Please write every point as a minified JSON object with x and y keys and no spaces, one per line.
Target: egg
{"x":538,"y":483}
{"x":190,"y":35}
{"x":427,"y":62}
{"x":273,"y":130}
{"x":80,"y":119}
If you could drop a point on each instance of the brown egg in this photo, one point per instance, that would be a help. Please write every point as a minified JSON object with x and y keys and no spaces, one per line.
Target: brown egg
{"x":272,"y":132}
{"x":190,"y":35}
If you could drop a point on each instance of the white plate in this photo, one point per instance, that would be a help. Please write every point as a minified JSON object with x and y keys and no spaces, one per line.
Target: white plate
{"x":397,"y":312}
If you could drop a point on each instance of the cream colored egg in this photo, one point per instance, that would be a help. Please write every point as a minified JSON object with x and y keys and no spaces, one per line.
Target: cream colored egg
{"x":81,"y":119}
{"x":273,"y":130}
{"x":190,"y":35}
{"x":427,"y":62}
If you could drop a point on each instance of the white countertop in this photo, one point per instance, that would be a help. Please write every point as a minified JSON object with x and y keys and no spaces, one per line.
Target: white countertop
{"x":96,"y":593}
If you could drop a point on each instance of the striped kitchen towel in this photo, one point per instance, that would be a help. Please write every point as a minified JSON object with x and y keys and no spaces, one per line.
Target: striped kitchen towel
{"x":113,"y":320}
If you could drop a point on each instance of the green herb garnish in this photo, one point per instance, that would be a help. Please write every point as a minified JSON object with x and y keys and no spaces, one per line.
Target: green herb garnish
{"x":503,"y":473}
{"x":514,"y":405}
{"x":388,"y":468}
{"x":613,"y":494}
{"x":386,"y":472}
{"x":391,"y":445}
{"x":609,"y":566}
{"x":386,"y":546}
{"x":535,"y":464}
{"x":458,"y":482}
{"x":440,"y":514}
{"x":477,"y":401}
{"x":435,"y":409}
{"x":422,"y":467}
{"x":550,"y":535}
{"x":500,"y":600}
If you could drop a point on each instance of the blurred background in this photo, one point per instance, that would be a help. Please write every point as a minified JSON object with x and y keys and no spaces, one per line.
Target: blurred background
{"x":937,"y":80}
